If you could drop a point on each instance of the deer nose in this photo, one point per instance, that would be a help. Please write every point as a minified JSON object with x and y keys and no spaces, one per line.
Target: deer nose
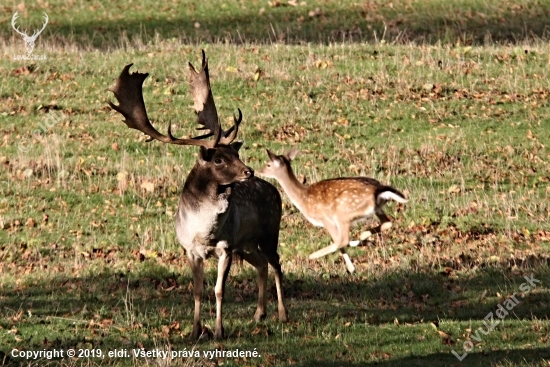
{"x":248,"y":172}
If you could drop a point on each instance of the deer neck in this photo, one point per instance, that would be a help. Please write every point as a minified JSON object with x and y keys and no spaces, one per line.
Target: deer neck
{"x":295,"y":190}
{"x":203,"y":210}
{"x":199,"y":188}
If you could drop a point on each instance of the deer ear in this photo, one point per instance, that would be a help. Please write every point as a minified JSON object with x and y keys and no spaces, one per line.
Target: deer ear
{"x":272,"y":156}
{"x":292,"y":153}
{"x":236,"y":145}
{"x":206,"y":154}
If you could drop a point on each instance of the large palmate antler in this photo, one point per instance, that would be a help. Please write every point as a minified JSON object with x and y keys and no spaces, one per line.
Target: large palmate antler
{"x":128,"y":90}
{"x":204,"y":106}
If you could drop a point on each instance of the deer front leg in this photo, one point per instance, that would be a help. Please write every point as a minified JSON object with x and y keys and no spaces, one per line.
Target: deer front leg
{"x":198,"y":286}
{"x":334,"y":246}
{"x":340,"y":236}
{"x":343,"y":230}
{"x":224,"y":264}
{"x":260,"y":263}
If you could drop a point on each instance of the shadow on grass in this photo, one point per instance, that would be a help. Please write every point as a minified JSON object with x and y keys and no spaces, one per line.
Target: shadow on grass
{"x":511,"y":357}
{"x":124,"y":310}
{"x":428,"y":22}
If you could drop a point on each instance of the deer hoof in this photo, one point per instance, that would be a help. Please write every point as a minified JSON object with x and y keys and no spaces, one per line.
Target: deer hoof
{"x":197,"y":332}
{"x":218,"y":334}
{"x":259,"y":315}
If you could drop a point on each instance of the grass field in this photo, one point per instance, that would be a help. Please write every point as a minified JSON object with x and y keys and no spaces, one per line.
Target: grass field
{"x":447,"y":101}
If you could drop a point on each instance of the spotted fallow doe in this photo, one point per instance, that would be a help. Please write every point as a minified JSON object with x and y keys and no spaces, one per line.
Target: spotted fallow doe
{"x":335,"y":203}
{"x":223,"y":209}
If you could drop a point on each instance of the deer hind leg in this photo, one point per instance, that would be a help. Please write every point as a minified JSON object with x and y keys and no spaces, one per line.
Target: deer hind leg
{"x":224,"y":264}
{"x":385,"y":224}
{"x":198,"y":286}
{"x":257,"y":260}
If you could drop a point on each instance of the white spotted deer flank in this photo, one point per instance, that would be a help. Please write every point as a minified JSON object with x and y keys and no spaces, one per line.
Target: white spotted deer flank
{"x":223,"y":209}
{"x":334,"y":203}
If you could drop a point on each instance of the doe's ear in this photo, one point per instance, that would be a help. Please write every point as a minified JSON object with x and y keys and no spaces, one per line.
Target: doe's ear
{"x":236,"y":145}
{"x":292,"y":153}
{"x":271,"y":155}
{"x":206,"y":154}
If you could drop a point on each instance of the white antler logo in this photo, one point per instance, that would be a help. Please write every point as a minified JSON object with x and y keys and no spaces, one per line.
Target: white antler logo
{"x":29,"y":40}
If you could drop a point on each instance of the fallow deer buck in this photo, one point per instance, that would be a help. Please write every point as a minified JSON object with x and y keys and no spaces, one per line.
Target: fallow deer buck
{"x":223,"y":209}
{"x":334,"y":203}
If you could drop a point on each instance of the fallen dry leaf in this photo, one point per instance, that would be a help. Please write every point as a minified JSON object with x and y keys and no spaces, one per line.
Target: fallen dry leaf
{"x":148,"y":186}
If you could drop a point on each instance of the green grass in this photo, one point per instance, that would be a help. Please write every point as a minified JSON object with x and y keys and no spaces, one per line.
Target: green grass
{"x":452,"y":114}
{"x":102,"y":24}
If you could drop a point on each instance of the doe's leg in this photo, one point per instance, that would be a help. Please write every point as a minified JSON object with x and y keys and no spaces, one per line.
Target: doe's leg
{"x":343,"y":229}
{"x":333,"y":247}
{"x":385,"y":224}
{"x":339,"y":232}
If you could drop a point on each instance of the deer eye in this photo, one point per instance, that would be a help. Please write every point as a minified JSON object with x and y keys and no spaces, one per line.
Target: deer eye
{"x":218,"y":161}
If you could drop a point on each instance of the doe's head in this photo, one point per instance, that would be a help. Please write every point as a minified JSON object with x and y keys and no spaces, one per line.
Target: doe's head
{"x":278,"y":165}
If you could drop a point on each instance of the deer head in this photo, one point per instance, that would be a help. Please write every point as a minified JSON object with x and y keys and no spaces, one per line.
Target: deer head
{"x":29,"y":40}
{"x":279,"y":166}
{"x":222,"y":165}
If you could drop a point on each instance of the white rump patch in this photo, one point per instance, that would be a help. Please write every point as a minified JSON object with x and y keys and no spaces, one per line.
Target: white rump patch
{"x":388,"y":195}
